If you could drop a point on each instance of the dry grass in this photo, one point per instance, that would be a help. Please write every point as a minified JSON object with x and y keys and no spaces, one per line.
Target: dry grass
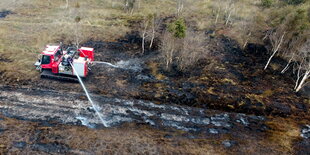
{"x":129,"y":139}
{"x":133,"y":139}
{"x":36,"y":23}
{"x":283,"y":134}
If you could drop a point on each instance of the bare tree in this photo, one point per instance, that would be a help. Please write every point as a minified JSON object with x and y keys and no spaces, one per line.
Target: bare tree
{"x":156,"y":21}
{"x":303,"y":72}
{"x":49,"y":2}
{"x":193,"y":50}
{"x":168,"y":48}
{"x":223,"y":11}
{"x":139,"y":4}
{"x":145,"y":25}
{"x":289,"y":63}
{"x":217,"y":14}
{"x":180,"y":6}
{"x":67,"y":4}
{"x":245,"y":31}
{"x":77,"y":31}
{"x":246,"y":40}
{"x":153,"y":31}
{"x":276,"y":40}
{"x":149,"y":26}
{"x":292,"y":50}
{"x":291,"y":40}
{"x":129,"y":5}
{"x":230,"y":8}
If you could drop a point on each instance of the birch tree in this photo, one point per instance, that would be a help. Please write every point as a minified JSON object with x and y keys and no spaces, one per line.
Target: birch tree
{"x":276,"y":40}
{"x":168,"y":48}
{"x":180,"y":6}
{"x":67,"y":4}
{"x":145,"y":25}
{"x":149,"y":27}
{"x":223,"y":11}
{"x":290,"y":39}
{"x":172,"y":41}
{"x":129,"y":5}
{"x":193,"y":50}
{"x":303,"y":72}
{"x":230,"y":9}
{"x":288,"y":36}
{"x":156,"y":22}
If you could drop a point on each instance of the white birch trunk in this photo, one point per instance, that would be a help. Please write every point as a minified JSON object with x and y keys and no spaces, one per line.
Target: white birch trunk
{"x":303,"y":80}
{"x":228,"y":18}
{"x":67,"y":5}
{"x":275,"y":51}
{"x":143,"y":35}
{"x":217,"y":15}
{"x":287,"y":65}
{"x":153,"y":33}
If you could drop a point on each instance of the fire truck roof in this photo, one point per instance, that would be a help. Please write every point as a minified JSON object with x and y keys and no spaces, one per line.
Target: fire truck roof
{"x":50,"y":49}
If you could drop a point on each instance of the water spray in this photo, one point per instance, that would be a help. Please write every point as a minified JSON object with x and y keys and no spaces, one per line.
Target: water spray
{"x":106,"y":63}
{"x":89,"y":98}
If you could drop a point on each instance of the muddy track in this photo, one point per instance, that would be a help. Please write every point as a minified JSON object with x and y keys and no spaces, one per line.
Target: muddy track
{"x":73,"y":108}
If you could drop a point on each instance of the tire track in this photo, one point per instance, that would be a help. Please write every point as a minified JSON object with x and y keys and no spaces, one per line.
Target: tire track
{"x":71,"y":108}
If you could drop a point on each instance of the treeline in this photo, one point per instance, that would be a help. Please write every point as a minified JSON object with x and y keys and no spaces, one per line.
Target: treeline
{"x":283,"y":26}
{"x":288,"y":36}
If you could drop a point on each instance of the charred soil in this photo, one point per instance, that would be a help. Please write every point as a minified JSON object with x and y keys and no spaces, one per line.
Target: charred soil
{"x":232,"y":81}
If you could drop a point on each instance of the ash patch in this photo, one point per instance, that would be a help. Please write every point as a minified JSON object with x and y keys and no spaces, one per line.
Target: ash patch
{"x":4,"y":59}
{"x":228,"y":143}
{"x":20,"y":145}
{"x":305,"y":132}
{"x":4,"y":13}
{"x":1,"y":130}
{"x":50,"y":147}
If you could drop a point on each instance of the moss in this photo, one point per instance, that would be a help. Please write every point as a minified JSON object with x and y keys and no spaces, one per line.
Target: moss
{"x":267,"y":93}
{"x":255,"y":97}
{"x":204,"y":78}
{"x":211,"y":91}
{"x":275,"y":66}
{"x":222,"y":67}
{"x":154,"y":71}
{"x":231,"y":106}
{"x":229,"y":81}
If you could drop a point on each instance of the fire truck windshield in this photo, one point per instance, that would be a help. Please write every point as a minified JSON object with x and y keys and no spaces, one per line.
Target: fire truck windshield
{"x":46,"y":59}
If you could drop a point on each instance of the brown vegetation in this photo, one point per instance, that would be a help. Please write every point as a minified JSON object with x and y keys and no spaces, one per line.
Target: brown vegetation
{"x":281,"y":27}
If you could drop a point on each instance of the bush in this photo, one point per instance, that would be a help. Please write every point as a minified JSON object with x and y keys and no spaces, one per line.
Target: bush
{"x":193,"y":50}
{"x":267,"y":3}
{"x":77,"y":19}
{"x":295,"y":2}
{"x":178,"y":28}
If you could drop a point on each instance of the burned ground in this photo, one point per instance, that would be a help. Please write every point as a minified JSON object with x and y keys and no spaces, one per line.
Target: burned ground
{"x":231,"y":82}
{"x":228,"y":83}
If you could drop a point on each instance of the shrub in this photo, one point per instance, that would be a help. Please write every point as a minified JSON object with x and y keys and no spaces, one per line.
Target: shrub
{"x":192,"y":51}
{"x":267,"y":3}
{"x":178,"y":28}
{"x":295,"y":2}
{"x":77,"y":19}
